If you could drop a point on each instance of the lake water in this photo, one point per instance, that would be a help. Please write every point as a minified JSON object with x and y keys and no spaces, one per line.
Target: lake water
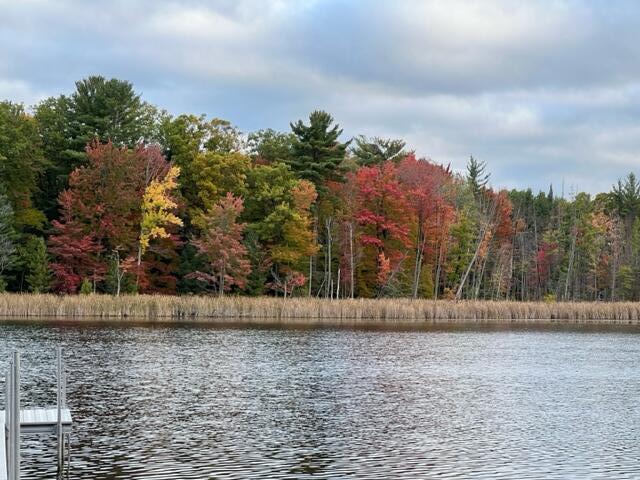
{"x":210,"y":403}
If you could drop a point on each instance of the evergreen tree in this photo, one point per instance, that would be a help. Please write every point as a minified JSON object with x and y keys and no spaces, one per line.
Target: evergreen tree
{"x":477,"y":176}
{"x":317,"y":154}
{"x":7,"y":240}
{"x":21,"y":163}
{"x":99,"y":109}
{"x":374,"y":151}
{"x":35,"y":264}
{"x":625,"y":200}
{"x":109,"y":110}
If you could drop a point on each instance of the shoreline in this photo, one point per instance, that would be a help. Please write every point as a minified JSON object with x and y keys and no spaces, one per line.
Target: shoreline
{"x":400,"y":313}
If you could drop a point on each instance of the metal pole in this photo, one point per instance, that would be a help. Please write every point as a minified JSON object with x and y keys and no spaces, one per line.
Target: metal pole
{"x":15,"y":416}
{"x":60,"y":438}
{"x":68,"y":463}
{"x":8,"y":432}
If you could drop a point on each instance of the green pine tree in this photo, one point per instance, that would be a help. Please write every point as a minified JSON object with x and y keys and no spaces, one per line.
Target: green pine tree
{"x":373,"y":151}
{"x":35,"y":264}
{"x":477,"y":176}
{"x":317,"y":154}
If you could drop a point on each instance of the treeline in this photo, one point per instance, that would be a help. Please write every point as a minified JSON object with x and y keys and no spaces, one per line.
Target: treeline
{"x":102,"y":192}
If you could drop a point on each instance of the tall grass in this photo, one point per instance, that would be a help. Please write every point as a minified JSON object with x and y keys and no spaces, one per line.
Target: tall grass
{"x":310,"y":311}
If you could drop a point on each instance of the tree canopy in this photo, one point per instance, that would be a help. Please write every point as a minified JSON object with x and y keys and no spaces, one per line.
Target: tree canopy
{"x":103,"y":192}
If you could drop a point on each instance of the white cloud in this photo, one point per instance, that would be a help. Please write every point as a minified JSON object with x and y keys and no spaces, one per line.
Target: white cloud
{"x":540,"y":90}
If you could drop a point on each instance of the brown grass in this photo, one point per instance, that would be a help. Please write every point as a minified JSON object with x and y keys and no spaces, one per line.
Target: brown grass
{"x":305,"y":311}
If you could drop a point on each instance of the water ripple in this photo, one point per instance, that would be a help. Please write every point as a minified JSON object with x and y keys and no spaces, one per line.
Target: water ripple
{"x":202,"y":403}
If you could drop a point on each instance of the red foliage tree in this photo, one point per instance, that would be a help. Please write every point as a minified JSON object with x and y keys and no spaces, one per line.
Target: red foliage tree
{"x":428,"y":188}
{"x":100,"y":211}
{"x":221,"y":245}
{"x":383,"y":214}
{"x":76,"y":250}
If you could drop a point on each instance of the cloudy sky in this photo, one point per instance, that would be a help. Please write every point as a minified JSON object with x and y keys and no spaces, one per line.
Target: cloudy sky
{"x":544,"y":92}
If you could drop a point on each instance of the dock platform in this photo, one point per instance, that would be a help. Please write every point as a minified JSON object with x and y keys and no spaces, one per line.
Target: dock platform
{"x":16,"y":422}
{"x":41,"y":420}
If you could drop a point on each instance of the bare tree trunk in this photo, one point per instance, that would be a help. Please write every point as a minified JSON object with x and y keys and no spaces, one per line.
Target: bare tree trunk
{"x":351,"y":262}
{"x":417,"y":269}
{"x":310,"y":273}
{"x":139,"y":263}
{"x":328,"y":260}
{"x":119,"y":274}
{"x":311,"y":263}
{"x":392,"y":275}
{"x":572,"y":252}
{"x":523,"y":278}
{"x":510,"y":278}
{"x":221,"y":292}
{"x":614,"y":275}
{"x":476,"y":292}
{"x":436,"y":287}
{"x":537,"y":246}
{"x":465,"y":276}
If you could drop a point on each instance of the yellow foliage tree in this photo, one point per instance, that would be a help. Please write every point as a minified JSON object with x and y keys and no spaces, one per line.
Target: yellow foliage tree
{"x":157,"y":210}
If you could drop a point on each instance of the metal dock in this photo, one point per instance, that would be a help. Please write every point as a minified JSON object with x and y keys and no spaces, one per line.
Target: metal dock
{"x":15,"y":422}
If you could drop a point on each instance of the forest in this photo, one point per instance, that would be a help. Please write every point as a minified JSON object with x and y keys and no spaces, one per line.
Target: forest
{"x":103,"y":192}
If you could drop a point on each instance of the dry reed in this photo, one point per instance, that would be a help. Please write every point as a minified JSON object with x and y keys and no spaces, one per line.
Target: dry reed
{"x":310,"y":311}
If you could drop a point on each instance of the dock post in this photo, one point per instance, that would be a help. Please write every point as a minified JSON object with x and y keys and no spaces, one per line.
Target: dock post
{"x":60,"y":406}
{"x":14,"y":417}
{"x":7,"y":430}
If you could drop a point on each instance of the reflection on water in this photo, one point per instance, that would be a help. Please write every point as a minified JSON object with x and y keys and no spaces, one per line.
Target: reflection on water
{"x":203,"y":403}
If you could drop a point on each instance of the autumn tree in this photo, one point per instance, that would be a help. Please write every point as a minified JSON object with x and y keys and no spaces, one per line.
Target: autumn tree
{"x":383,"y":213}
{"x":346,"y":207}
{"x":428,"y":187}
{"x":220,"y":243}
{"x":158,"y":214}
{"x":76,"y":250}
{"x":100,"y":109}
{"x":278,"y":212}
{"x":281,"y":211}
{"x":185,"y":137}
{"x":103,"y":204}
{"x":218,"y":174}
{"x":296,"y":240}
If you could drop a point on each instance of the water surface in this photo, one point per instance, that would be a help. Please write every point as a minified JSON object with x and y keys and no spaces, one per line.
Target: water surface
{"x":203,"y":403}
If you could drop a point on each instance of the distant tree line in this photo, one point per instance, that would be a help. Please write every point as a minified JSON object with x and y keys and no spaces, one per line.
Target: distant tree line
{"x":102,"y":192}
